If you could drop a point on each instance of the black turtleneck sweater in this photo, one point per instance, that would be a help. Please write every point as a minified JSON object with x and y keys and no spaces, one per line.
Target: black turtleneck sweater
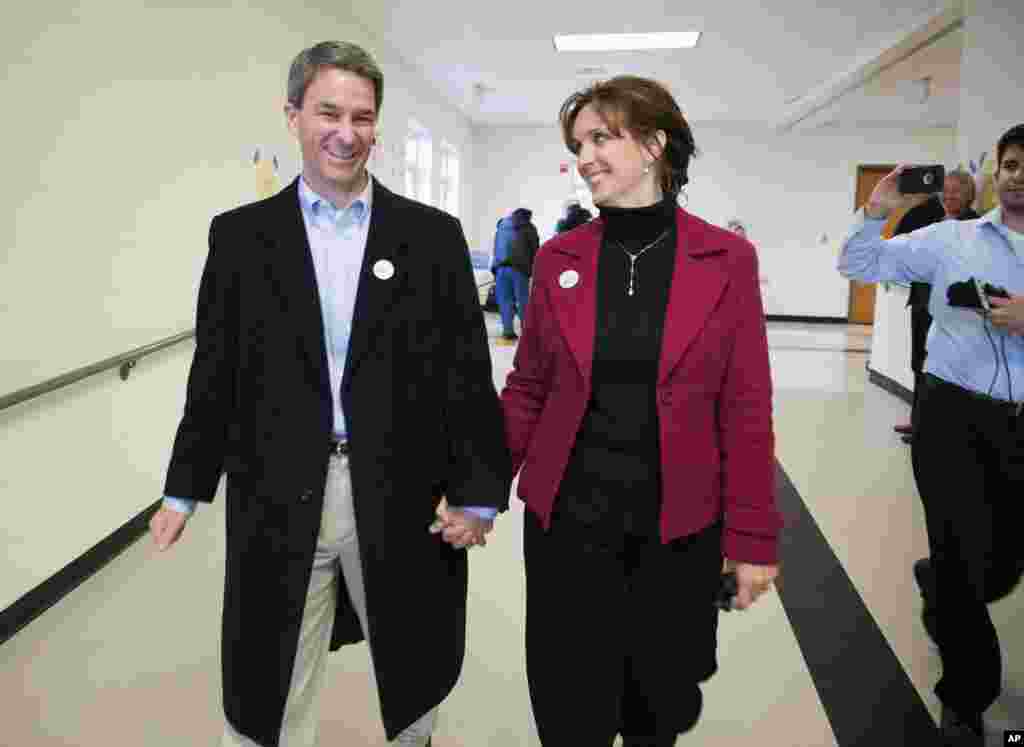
{"x":613,"y":476}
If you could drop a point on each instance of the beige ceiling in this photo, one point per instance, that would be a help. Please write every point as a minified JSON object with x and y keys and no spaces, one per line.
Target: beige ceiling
{"x":783,"y":64}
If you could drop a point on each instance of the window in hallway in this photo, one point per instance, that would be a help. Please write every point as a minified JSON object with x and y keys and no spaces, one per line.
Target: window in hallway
{"x":418,"y":163}
{"x":448,"y":196}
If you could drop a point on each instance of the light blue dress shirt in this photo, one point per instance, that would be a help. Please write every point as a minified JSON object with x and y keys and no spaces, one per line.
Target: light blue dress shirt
{"x":963,"y":346}
{"x":337,"y":240}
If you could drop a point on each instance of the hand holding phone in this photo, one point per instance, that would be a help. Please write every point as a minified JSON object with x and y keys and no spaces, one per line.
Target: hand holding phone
{"x":922,"y":179}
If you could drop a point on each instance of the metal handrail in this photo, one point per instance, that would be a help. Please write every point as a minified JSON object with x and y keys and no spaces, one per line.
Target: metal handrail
{"x":125,"y":362}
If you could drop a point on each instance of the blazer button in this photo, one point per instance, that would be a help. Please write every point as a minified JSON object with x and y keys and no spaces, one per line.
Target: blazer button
{"x":666,"y":398}
{"x":306,"y":497}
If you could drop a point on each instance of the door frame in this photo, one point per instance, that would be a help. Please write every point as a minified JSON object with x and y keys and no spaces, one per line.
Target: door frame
{"x":861,"y":168}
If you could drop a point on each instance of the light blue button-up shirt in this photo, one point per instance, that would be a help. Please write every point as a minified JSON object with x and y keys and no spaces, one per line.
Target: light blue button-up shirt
{"x":337,"y":240}
{"x":963,"y":347}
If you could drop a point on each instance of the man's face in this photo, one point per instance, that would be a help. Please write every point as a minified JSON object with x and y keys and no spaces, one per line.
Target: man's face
{"x":335,"y":129}
{"x":1009,"y":179}
{"x":953,"y":196}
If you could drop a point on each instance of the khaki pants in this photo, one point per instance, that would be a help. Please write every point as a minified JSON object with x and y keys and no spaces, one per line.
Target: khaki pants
{"x":337,"y":551}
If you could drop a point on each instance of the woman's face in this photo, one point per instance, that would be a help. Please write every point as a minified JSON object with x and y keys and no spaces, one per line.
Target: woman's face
{"x":613,"y":165}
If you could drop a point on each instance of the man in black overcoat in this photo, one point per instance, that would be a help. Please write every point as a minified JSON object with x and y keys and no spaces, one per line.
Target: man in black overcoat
{"x":342,"y":381}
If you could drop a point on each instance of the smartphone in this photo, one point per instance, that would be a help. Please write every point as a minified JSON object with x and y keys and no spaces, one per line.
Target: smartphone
{"x":922,"y":179}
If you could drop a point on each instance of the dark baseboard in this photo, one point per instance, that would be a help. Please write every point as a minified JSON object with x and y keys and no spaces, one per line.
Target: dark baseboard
{"x":891,"y":386}
{"x":808,"y":319}
{"x":63,"y":582}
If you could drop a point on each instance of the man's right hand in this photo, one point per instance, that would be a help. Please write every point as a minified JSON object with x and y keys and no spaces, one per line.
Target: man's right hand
{"x":886,"y":195}
{"x":166,"y":526}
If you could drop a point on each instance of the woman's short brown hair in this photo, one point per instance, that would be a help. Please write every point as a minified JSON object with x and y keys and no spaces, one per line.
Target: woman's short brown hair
{"x":642,"y":107}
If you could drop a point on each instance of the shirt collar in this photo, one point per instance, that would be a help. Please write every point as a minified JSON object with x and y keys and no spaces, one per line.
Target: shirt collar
{"x":993,"y":216}
{"x":320,"y":207}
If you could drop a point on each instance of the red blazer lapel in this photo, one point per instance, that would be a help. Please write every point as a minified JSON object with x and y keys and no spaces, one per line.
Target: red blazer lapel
{"x":697,"y":284}
{"x":573,"y":288}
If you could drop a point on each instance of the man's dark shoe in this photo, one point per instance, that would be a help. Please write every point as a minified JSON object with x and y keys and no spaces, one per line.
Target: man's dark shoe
{"x":958,"y":731}
{"x":908,"y":438}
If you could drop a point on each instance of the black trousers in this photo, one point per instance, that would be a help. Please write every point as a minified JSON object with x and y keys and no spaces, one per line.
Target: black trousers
{"x":619,"y":632}
{"x":920,"y":323}
{"x":968,"y":460}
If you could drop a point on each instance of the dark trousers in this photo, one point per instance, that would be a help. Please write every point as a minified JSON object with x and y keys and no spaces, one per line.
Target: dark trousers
{"x":619,"y":632}
{"x":968,"y":459}
{"x":920,"y":323}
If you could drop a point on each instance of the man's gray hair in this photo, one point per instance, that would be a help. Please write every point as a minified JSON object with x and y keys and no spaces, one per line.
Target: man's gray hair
{"x":966,"y":183}
{"x":340,"y":55}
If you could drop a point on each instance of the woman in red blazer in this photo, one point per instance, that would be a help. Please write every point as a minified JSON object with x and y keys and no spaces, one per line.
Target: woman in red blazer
{"x":639,"y":410}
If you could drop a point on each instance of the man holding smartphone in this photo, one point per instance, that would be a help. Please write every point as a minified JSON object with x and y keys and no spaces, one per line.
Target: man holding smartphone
{"x":969,"y":454}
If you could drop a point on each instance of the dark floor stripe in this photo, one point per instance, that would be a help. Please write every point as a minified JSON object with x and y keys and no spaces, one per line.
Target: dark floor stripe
{"x":868,"y":697}
{"x":890,"y":385}
{"x":807,"y":319}
{"x":36,"y":601}
{"x":819,"y":349}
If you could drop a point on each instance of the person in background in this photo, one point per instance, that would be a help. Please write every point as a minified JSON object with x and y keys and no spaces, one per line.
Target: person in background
{"x":968,"y":450}
{"x":515,"y":247}
{"x":958,"y":196}
{"x":639,"y":410}
{"x":955,"y":203}
{"x":344,"y":427}
{"x":736,"y":226}
{"x":925,"y":210}
{"x":575,"y":215}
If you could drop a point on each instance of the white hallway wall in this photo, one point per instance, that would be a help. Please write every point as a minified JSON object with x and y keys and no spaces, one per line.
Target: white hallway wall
{"x":137,"y":123}
{"x":792,"y":190}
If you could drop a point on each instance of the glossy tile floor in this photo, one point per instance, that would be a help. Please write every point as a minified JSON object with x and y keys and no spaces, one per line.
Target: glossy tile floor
{"x":131,"y":657}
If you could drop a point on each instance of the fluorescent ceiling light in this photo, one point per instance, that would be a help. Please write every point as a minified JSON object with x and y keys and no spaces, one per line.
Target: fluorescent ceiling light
{"x":621,"y":42}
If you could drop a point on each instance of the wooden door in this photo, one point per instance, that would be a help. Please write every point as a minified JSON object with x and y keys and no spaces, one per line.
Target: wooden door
{"x":862,"y":295}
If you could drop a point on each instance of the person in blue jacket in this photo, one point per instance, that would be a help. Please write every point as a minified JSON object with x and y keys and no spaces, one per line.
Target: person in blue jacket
{"x":515,"y":246}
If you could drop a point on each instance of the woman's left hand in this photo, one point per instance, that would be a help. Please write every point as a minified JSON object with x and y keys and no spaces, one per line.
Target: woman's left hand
{"x":751,"y":580}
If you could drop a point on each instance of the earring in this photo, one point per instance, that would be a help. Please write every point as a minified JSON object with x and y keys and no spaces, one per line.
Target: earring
{"x":684,"y":197}
{"x":647,"y":169}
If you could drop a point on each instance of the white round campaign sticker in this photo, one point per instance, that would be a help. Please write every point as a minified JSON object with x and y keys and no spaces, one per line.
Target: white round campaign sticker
{"x":383,"y":269}
{"x":568,"y":279}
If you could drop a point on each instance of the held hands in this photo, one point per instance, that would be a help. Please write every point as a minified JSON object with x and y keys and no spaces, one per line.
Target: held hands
{"x":1008,"y":313}
{"x":166,"y":527}
{"x":752,"y":581}
{"x":459,"y":528}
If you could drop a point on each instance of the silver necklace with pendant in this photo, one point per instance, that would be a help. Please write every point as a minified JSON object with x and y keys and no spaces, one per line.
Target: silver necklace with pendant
{"x":634,"y":257}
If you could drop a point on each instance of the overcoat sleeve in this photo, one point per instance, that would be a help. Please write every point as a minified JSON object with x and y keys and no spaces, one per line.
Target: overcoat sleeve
{"x":197,"y":458}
